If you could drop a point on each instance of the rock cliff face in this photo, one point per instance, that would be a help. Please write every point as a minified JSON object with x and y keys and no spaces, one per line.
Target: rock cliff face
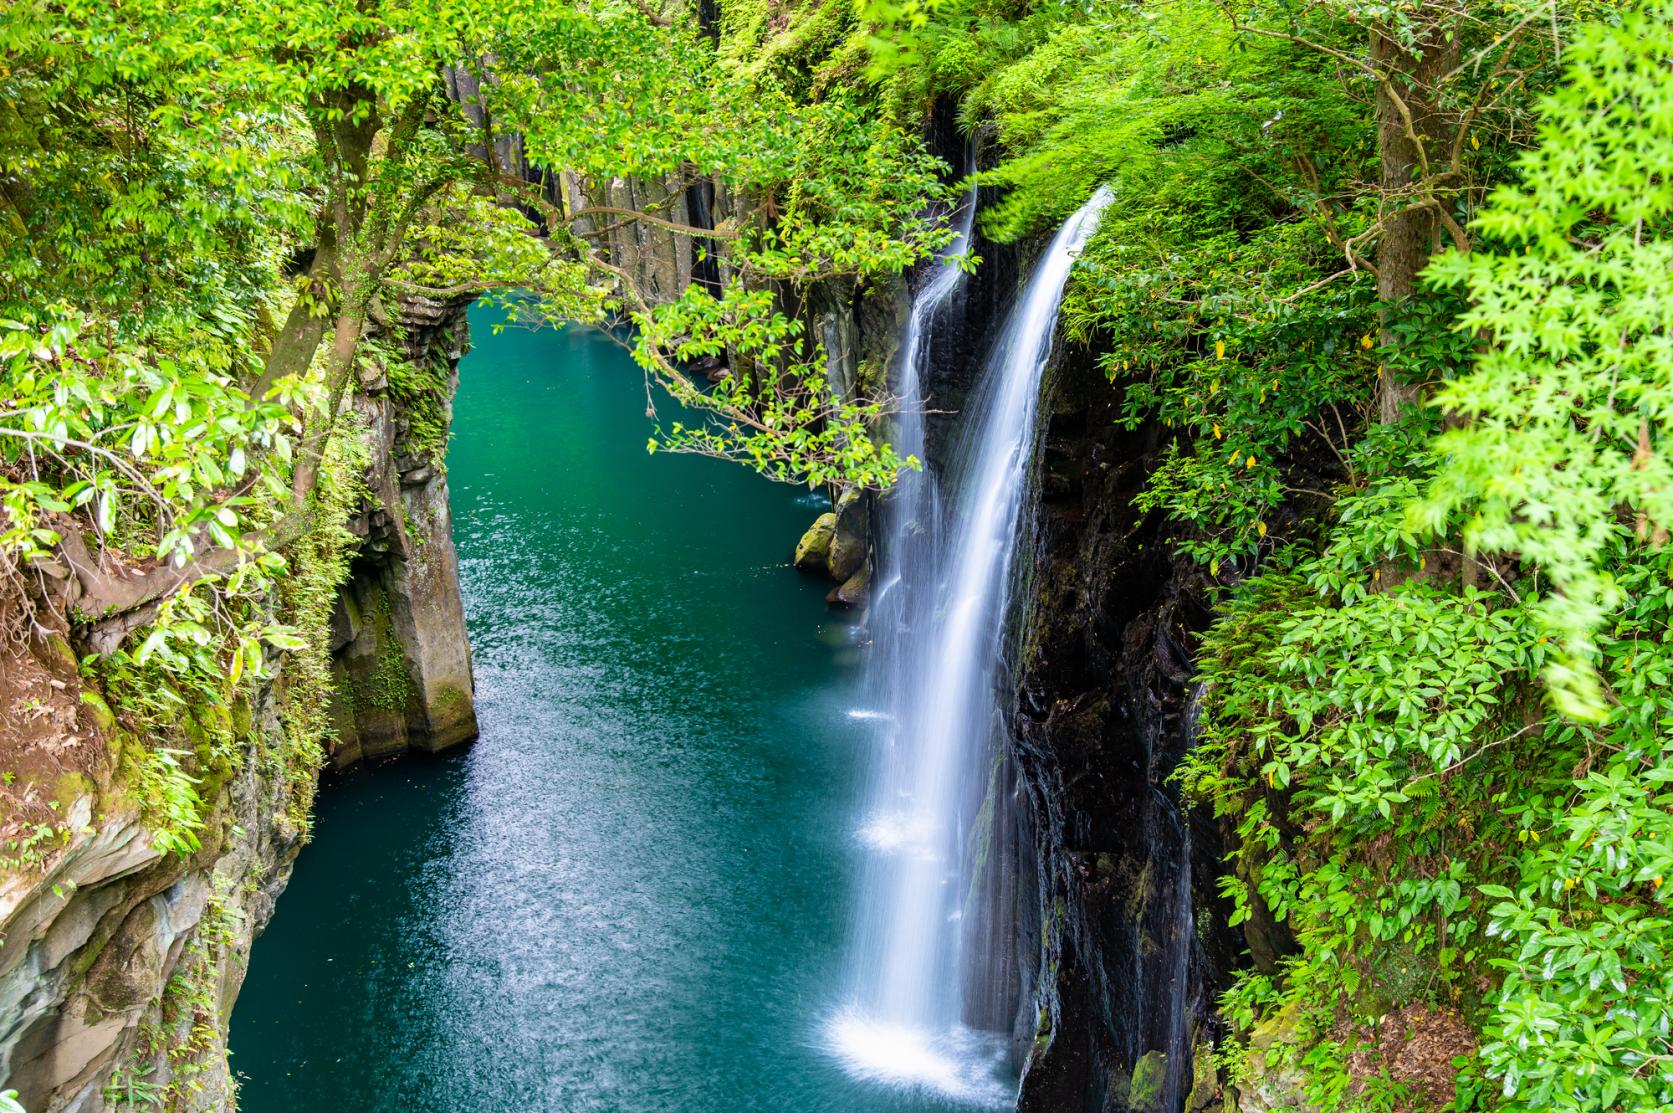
{"x":663,"y":263}
{"x":1126,"y":939}
{"x":119,"y":964}
{"x":401,"y":659}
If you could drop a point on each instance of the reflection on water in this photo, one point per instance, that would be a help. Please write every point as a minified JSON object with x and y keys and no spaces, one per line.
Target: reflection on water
{"x":631,"y":894}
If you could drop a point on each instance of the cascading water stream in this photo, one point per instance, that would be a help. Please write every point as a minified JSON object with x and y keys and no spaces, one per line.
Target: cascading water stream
{"x":912,"y":515}
{"x":937,"y":623}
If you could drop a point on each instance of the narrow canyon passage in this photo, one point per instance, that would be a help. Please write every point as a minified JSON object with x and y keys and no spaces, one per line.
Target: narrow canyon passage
{"x":634,"y":892}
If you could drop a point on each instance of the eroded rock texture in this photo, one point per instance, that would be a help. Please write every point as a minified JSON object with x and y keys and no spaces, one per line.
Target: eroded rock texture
{"x":1124,"y":978}
{"x":401,"y":659}
{"x":119,"y":965}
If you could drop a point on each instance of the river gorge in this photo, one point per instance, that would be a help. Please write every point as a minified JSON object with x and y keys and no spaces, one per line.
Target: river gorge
{"x":692,"y":556}
{"x":632,"y":891}
{"x":718,"y":846}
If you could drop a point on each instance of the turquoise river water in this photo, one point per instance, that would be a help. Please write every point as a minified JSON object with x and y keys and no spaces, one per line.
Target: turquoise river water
{"x":634,"y":892}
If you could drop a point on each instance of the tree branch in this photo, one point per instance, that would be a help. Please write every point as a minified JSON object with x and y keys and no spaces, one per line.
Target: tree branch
{"x":672,"y":226}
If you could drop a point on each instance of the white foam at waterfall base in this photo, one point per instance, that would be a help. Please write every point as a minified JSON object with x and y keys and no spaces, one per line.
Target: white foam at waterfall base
{"x":959,"y":1064}
{"x":869,"y":715}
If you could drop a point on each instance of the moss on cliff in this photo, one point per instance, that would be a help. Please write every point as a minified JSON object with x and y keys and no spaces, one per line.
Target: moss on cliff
{"x":419,"y":389}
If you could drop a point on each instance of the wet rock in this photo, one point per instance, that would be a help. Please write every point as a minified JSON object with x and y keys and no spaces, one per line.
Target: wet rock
{"x":813,"y":550}
{"x":1145,"y":1090}
{"x":1272,"y":1086}
{"x":854,"y":591}
{"x":1206,"y":1095}
{"x":852,"y":536}
{"x":1122,"y":867}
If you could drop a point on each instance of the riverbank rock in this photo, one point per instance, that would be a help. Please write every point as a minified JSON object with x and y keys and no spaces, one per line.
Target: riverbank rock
{"x":1272,"y":1085}
{"x":813,"y":550}
{"x":119,"y":961}
{"x":401,"y":659}
{"x":854,"y":591}
{"x":852,"y":536}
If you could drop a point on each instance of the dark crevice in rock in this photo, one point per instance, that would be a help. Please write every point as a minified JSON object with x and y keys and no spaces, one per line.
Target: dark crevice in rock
{"x":1125,"y":976}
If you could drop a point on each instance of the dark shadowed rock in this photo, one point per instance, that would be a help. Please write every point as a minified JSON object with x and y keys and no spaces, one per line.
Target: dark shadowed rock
{"x":852,"y":536}
{"x":854,"y":591}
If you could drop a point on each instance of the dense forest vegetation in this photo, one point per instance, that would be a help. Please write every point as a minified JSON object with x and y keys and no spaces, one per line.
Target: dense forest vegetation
{"x":209,"y":211}
{"x":1396,"y":279}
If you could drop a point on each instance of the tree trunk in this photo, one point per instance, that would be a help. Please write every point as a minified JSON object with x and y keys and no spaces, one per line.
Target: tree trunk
{"x":294,"y":347}
{"x":1413,"y":135}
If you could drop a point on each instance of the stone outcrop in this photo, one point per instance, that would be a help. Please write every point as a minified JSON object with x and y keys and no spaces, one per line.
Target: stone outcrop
{"x":838,"y":545}
{"x":400,"y":655}
{"x":850,"y":537}
{"x":119,"y":964}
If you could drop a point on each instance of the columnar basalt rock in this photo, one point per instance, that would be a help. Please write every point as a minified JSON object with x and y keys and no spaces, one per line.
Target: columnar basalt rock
{"x":1125,"y":980}
{"x":661,"y":261}
{"x":401,"y":657}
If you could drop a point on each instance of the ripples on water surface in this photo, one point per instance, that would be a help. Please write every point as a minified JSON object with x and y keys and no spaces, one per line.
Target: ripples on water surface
{"x":632,"y":894}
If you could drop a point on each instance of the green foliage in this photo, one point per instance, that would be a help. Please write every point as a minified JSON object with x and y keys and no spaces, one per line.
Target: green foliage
{"x":780,"y":414}
{"x":175,"y":694}
{"x":1476,"y":776}
{"x":33,"y":846}
{"x":421,"y":394}
{"x":1563,"y":414}
{"x":1211,"y":285}
{"x":153,"y":211}
{"x":154,"y":442}
{"x":318,"y":566}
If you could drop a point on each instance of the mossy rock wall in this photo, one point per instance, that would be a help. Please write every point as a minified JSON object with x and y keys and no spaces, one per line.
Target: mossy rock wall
{"x":400,"y":653}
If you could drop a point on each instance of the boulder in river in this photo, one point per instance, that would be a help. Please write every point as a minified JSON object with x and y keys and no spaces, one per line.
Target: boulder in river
{"x":814,"y":548}
{"x":853,"y":591}
{"x":851,"y":538}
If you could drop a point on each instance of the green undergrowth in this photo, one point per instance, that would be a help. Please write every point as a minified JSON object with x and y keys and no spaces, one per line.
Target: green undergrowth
{"x":420,"y":392}
{"x":184,"y":699}
{"x":320,"y":563}
{"x":1441,"y":737}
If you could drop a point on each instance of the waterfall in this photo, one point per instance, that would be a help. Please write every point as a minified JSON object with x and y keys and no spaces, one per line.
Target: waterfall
{"x":936,"y":691}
